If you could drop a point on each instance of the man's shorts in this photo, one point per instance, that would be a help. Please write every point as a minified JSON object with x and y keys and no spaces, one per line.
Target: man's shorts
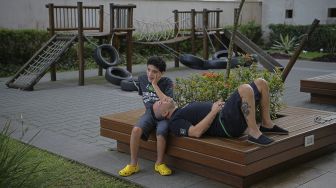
{"x":147,"y":123}
{"x":231,"y":115}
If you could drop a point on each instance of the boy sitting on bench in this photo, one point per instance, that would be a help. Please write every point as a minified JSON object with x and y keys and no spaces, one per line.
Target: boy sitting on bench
{"x":153,"y":87}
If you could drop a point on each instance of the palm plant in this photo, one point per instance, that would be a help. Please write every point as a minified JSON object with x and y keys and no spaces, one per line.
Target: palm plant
{"x":286,"y":44}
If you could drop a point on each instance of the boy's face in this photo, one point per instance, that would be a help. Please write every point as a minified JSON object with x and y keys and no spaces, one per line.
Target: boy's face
{"x":153,"y":72}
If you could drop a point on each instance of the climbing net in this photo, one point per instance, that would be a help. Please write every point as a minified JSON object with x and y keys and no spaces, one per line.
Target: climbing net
{"x":159,"y":31}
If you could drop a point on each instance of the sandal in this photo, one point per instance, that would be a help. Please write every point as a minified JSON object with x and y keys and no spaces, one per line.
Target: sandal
{"x":129,"y":170}
{"x":162,"y":169}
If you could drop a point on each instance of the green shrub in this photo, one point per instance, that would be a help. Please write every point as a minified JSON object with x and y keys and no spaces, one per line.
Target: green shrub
{"x":210,"y":86}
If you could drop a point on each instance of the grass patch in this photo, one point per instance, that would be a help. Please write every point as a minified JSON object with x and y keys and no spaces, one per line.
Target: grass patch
{"x":311,"y":55}
{"x":55,"y":171}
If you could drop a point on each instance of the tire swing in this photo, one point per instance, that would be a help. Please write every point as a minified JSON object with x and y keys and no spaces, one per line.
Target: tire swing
{"x":116,"y":74}
{"x":221,"y":63}
{"x":131,"y":84}
{"x":192,"y":61}
{"x":113,"y":60}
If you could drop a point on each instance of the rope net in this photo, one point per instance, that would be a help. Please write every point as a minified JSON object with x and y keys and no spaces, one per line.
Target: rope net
{"x":42,"y":62}
{"x":158,"y":31}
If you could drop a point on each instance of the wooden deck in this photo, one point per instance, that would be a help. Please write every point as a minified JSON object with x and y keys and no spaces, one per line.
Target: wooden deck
{"x":322,"y":88}
{"x":233,"y":161}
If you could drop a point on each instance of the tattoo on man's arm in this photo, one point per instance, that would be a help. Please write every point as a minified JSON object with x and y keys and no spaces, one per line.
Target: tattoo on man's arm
{"x":245,"y":107}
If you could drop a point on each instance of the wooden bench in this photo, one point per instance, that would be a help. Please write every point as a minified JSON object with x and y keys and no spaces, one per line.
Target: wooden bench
{"x":233,"y":161}
{"x":322,"y":89}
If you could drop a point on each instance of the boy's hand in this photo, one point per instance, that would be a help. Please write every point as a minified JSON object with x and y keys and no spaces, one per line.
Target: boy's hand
{"x":156,"y":79}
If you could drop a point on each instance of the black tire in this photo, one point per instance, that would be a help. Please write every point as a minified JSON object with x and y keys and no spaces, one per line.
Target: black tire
{"x":192,"y":61}
{"x":100,"y":60}
{"x":115,"y":75}
{"x":128,"y":84}
{"x":220,"y":63}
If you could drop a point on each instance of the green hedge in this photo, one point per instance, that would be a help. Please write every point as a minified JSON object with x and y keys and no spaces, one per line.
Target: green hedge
{"x":323,"y":37}
{"x":252,"y":31}
{"x":18,"y":46}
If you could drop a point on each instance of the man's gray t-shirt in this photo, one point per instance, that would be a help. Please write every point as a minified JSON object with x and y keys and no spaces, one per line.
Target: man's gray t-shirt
{"x":148,"y":93}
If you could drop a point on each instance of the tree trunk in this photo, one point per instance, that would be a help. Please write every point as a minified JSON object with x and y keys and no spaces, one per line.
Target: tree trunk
{"x":235,"y":25}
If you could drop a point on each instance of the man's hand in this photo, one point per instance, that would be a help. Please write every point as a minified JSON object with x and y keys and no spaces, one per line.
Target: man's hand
{"x":217,"y":106}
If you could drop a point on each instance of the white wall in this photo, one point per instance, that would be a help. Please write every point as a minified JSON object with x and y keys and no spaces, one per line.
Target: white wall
{"x":304,"y":11}
{"x":19,"y":14}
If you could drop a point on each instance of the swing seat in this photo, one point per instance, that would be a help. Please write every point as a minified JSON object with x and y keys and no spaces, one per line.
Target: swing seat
{"x":194,"y":62}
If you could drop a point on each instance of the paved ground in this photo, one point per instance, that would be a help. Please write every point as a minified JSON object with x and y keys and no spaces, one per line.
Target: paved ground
{"x":67,"y":118}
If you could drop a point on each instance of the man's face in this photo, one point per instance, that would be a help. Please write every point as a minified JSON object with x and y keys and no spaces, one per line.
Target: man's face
{"x":153,"y":71}
{"x":161,"y":108}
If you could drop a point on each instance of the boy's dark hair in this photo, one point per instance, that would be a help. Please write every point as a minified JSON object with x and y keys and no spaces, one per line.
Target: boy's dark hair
{"x":158,"y":62}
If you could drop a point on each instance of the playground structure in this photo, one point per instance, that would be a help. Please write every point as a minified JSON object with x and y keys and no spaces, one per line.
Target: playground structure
{"x":77,"y":23}
{"x":67,"y":19}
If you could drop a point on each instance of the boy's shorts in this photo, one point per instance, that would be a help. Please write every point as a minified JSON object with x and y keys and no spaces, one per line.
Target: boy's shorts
{"x":232,"y":116}
{"x":147,"y":123}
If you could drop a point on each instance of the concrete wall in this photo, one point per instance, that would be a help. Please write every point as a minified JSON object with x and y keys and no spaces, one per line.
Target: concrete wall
{"x":304,"y":11}
{"x":19,"y":14}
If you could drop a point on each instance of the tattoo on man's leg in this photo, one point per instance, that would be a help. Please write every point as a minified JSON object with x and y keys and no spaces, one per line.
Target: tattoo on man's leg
{"x":245,"y":109}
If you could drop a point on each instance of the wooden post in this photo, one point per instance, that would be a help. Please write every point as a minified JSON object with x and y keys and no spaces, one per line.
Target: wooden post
{"x":80,"y":49}
{"x":129,"y":39}
{"x":217,"y":29}
{"x":111,"y":19}
{"x":101,"y":29}
{"x":193,"y":31}
{"x":205,"y":35}
{"x":176,"y":28}
{"x":50,"y":7}
{"x":298,"y":50}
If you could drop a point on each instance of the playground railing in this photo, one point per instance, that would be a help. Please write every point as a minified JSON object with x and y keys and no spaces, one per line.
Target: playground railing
{"x":66,"y":18}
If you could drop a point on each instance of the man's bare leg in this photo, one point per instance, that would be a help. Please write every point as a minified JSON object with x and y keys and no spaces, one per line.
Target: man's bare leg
{"x":248,"y":108}
{"x":264,"y":102}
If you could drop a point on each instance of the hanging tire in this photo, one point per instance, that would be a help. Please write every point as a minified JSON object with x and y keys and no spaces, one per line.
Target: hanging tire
{"x":192,"y":61}
{"x":116,"y":74}
{"x":102,"y":61}
{"x":220,"y":63}
{"x":131,"y":84}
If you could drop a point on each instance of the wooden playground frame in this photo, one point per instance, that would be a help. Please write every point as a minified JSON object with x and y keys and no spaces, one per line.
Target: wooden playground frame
{"x":90,"y":19}
{"x":77,"y":18}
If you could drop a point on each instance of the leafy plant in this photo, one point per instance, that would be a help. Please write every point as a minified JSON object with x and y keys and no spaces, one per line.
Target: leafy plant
{"x":211,"y":86}
{"x":286,"y":44}
{"x":15,"y":170}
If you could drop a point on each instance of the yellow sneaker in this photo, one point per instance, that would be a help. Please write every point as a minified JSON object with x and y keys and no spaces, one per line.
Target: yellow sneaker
{"x":129,"y":170}
{"x":162,"y":169}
